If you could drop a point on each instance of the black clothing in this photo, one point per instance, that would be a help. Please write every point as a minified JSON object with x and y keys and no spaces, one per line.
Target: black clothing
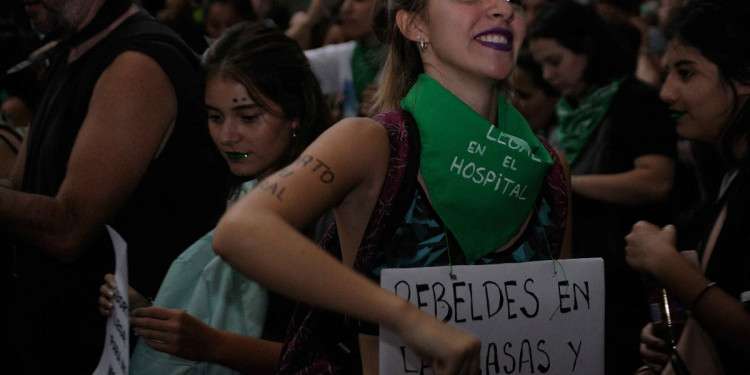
{"x":56,"y":323}
{"x":636,"y":124}
{"x":729,"y":265}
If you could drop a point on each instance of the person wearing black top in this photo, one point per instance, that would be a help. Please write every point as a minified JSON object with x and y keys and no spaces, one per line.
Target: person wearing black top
{"x":119,"y":138}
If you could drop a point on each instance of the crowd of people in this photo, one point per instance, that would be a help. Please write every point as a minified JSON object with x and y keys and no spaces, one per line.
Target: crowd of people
{"x":265,"y":161}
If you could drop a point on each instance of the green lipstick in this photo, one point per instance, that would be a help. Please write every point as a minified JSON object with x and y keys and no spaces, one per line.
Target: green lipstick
{"x":236,"y":155}
{"x":676,"y":114}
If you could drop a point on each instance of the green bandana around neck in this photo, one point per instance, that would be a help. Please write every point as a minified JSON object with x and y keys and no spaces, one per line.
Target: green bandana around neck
{"x":578,"y":124}
{"x":366,"y":64}
{"x":483,"y":180}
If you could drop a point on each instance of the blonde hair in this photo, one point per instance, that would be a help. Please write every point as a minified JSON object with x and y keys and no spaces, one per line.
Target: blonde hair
{"x":403,"y":63}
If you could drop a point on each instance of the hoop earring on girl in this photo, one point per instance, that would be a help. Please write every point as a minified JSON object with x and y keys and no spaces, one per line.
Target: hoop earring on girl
{"x":422,"y":44}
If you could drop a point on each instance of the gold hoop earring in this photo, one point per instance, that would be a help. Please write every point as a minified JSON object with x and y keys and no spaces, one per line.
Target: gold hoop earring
{"x":422,"y":44}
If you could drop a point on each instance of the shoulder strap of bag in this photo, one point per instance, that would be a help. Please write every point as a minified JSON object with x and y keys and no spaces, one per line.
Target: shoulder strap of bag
{"x":398,"y":188}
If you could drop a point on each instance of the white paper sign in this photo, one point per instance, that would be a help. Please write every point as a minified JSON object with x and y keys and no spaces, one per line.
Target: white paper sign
{"x":115,"y":356}
{"x":544,"y":317}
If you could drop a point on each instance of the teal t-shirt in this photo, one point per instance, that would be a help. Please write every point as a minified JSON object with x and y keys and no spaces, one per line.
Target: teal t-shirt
{"x":208,"y":288}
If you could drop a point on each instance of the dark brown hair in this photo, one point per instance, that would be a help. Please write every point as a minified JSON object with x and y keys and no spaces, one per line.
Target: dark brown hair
{"x":270,"y":64}
{"x":728,"y":47}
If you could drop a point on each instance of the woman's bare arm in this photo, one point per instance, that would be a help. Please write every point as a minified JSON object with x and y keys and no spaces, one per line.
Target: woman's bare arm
{"x":260,"y":237}
{"x":649,"y":181}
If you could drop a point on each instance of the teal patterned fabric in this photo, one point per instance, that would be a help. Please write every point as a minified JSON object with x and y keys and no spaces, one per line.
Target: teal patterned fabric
{"x":422,"y":240}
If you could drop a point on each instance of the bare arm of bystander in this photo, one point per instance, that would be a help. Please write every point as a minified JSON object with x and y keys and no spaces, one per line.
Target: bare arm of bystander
{"x":131,"y":111}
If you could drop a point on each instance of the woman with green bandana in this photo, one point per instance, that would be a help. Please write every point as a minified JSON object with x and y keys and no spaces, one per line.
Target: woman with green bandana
{"x":448,"y":173}
{"x":348,"y":71}
{"x":621,"y":145}
{"x":534,"y":97}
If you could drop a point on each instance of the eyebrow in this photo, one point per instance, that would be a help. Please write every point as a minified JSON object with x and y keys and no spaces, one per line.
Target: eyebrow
{"x":681,"y":63}
{"x":243,"y":106}
{"x":678,"y":64}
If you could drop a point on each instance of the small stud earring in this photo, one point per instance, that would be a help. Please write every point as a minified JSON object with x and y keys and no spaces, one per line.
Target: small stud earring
{"x":422,"y":44}
{"x":295,"y":132}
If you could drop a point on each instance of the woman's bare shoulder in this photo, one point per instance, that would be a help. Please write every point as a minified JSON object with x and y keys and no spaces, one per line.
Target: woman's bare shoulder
{"x":359,"y":127}
{"x":359,"y":139}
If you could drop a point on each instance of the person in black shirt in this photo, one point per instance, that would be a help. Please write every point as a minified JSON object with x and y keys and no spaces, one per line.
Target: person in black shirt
{"x":119,"y":138}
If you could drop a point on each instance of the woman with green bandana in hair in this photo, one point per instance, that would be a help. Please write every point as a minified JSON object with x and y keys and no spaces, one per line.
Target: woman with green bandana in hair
{"x":479,"y":188}
{"x":621,"y":145}
{"x":347,"y":71}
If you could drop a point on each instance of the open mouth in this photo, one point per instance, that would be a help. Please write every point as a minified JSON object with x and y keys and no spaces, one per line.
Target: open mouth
{"x":497,"y":39}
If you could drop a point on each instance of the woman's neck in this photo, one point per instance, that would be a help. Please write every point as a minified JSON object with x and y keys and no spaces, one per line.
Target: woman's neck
{"x":79,"y":50}
{"x":480,"y":95}
{"x":368,"y":41}
{"x":584,"y":90}
{"x":738,"y":147}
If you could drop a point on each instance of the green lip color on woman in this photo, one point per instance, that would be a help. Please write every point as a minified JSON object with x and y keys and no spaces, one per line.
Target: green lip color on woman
{"x":676,"y":115}
{"x":236,"y":155}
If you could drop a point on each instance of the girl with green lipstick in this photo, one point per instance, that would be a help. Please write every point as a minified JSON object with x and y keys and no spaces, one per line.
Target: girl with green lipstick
{"x":440,"y":96}
{"x":264,"y":106}
{"x":707,"y":87}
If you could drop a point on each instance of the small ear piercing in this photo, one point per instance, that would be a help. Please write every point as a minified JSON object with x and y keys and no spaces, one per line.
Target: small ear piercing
{"x":422,"y":44}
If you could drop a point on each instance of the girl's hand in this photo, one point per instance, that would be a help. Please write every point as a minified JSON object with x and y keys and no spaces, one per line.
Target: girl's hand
{"x":652,"y":350}
{"x":648,"y":246}
{"x":173,"y":331}
{"x":107,"y":292}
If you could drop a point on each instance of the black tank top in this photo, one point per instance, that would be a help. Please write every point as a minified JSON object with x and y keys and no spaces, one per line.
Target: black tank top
{"x":179,"y":199}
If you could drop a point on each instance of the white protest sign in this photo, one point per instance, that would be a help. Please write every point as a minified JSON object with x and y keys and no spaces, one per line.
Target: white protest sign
{"x":115,"y":356}
{"x":544,"y":317}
